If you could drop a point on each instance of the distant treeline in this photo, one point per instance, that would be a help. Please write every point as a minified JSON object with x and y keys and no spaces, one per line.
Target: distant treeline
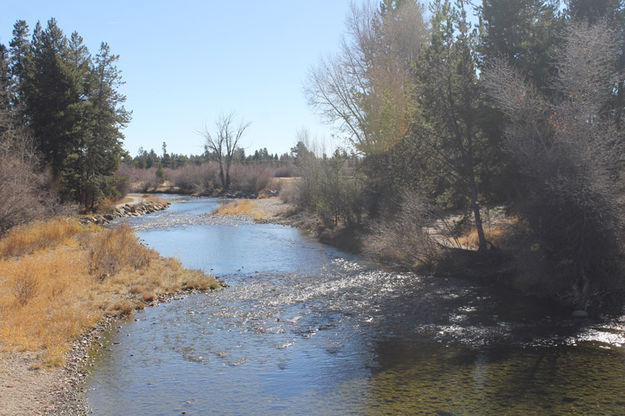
{"x":147,"y":160}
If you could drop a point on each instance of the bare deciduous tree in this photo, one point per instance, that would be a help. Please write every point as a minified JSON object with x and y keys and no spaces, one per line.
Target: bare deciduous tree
{"x":224,"y":144}
{"x":367,"y":90}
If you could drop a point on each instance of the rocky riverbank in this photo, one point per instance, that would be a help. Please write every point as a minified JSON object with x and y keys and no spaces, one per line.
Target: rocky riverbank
{"x":126,"y":210}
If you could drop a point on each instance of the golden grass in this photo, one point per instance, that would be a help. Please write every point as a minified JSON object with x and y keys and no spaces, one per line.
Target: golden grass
{"x":125,"y":200}
{"x":242,"y":208}
{"x":38,"y":235}
{"x":51,"y":296}
{"x":495,"y":234}
{"x":153,"y":198}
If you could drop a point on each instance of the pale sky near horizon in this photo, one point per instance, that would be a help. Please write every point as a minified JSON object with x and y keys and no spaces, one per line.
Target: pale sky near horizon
{"x":187,"y":62}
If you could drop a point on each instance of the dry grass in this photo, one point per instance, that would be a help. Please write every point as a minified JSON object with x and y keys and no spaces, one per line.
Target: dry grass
{"x":495,"y":234}
{"x":39,"y":235}
{"x":153,"y":198}
{"x":51,"y":294}
{"x":242,"y":208}
{"x":125,"y":200}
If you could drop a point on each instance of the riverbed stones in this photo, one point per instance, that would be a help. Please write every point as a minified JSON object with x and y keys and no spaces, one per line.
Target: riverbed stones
{"x":126,"y":210}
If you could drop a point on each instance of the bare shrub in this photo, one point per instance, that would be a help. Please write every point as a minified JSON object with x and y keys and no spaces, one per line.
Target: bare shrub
{"x":195,"y":178}
{"x":569,"y":150}
{"x":250,"y":178}
{"x":414,"y":235}
{"x":289,"y":193}
{"x":24,"y":192}
{"x":25,"y":287}
{"x":139,"y":180}
{"x":284,"y":172}
{"x":325,"y":189}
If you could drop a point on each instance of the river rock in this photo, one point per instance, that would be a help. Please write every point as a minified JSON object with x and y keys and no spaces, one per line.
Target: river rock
{"x":579,"y":314}
{"x":126,"y":210}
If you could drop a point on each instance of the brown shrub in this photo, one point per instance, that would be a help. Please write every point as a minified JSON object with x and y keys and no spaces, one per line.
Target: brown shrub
{"x":289,"y":193}
{"x":139,"y":180}
{"x":284,"y":172}
{"x":413,"y":236}
{"x":24,"y":192}
{"x":250,"y":178}
{"x":195,"y":178}
{"x":112,"y":250}
{"x":25,"y":287}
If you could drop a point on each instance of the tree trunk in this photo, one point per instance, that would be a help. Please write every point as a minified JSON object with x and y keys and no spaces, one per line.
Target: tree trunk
{"x":478,"y":225}
{"x":227,"y":185}
{"x":221,"y":175}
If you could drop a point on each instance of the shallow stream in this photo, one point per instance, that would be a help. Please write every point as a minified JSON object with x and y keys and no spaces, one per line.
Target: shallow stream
{"x":306,"y":329}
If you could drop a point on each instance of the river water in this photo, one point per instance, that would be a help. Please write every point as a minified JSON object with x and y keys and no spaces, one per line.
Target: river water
{"x":305,"y":329}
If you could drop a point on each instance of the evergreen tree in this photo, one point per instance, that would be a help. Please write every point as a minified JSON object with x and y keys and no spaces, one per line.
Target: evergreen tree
{"x":69,"y":101}
{"x":102,"y":147}
{"x":5,"y":91}
{"x":74,"y":157}
{"x":522,"y":32}
{"x":448,"y":137}
{"x":165,"y":159}
{"x":54,"y":98}
{"x":20,"y":69}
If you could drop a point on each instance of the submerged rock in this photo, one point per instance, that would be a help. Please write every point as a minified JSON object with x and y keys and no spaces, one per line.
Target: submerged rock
{"x":579,"y":314}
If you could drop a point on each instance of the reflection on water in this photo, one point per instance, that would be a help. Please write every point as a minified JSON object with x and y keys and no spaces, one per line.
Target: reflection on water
{"x":306,"y":329}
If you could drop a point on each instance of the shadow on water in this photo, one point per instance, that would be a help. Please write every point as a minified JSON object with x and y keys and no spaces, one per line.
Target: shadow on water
{"x":306,"y":329}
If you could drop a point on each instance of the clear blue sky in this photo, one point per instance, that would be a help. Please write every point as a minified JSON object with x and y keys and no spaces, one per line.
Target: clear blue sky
{"x":186,"y":62}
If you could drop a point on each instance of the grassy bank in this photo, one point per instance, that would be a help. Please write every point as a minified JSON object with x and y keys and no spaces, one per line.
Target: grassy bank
{"x":58,"y":279}
{"x":241,"y":208}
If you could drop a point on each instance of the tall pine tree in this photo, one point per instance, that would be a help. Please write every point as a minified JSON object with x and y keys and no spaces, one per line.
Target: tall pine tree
{"x":447,"y":134}
{"x":70,"y":103}
{"x":107,"y":116}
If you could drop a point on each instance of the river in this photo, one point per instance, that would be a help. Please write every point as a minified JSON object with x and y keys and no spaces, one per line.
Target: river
{"x":305,"y":329}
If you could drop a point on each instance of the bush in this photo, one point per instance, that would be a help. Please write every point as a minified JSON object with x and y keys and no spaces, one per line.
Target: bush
{"x":290,"y":193}
{"x":195,"y":178}
{"x":326,"y":190}
{"x":569,"y":152}
{"x":112,"y":250}
{"x":284,"y":172}
{"x":250,"y":178}
{"x":24,"y":192}
{"x":139,"y":180}
{"x":202,"y":178}
{"x":411,"y":236}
